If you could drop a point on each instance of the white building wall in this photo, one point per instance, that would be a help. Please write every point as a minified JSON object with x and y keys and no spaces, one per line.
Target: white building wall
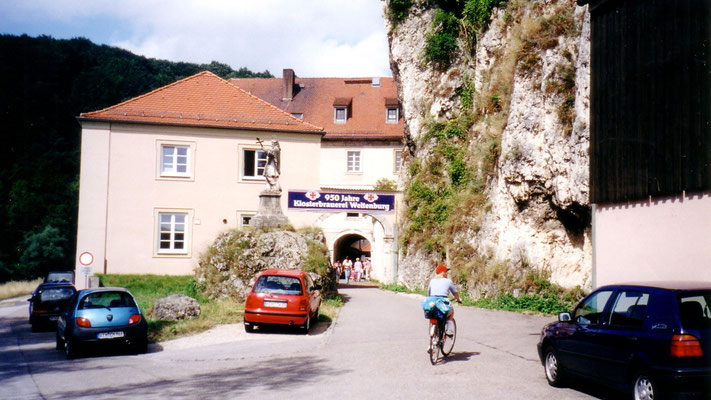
{"x":130,"y":191}
{"x":377,"y":161}
{"x":659,"y":239}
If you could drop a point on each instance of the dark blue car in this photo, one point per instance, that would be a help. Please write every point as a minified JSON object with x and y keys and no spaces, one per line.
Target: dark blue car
{"x":107,"y":316}
{"x":652,"y":340}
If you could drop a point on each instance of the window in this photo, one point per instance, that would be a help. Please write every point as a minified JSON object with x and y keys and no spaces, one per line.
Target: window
{"x":298,"y":115}
{"x":398,"y":161}
{"x":172,"y":232}
{"x":254,"y":163}
{"x":591,"y":309}
{"x":391,"y":115}
{"x":352,"y":215}
{"x":175,"y":160}
{"x":630,"y":309}
{"x":340,"y":115}
{"x":245,"y":219}
{"x":353,"y":161}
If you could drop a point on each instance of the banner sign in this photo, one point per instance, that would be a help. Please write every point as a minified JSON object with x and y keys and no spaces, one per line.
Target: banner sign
{"x":333,"y":201}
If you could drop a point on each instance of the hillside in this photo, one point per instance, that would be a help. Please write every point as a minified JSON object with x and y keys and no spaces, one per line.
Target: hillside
{"x":44,"y":85}
{"x":495,"y":98}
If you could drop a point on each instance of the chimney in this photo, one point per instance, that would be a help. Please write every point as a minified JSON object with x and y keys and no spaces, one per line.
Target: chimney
{"x":288,"y":85}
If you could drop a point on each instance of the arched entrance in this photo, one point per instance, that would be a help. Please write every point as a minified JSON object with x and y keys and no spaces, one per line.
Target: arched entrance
{"x":352,"y":246}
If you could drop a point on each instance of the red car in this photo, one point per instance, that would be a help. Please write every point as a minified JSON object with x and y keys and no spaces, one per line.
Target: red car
{"x":282,"y":297}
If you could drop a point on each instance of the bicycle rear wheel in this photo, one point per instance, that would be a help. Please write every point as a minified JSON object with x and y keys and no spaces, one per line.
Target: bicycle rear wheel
{"x":434,"y":345}
{"x":448,"y":341}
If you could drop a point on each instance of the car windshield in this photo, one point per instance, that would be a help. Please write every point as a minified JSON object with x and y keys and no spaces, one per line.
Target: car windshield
{"x":106,"y":300}
{"x":694,"y":310}
{"x":272,"y":284}
{"x":56,"y":294}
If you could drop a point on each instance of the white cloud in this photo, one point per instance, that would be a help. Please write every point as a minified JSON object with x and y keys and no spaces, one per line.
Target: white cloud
{"x":315,"y":37}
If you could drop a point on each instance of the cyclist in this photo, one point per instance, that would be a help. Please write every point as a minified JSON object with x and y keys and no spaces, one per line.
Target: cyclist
{"x":441,"y":286}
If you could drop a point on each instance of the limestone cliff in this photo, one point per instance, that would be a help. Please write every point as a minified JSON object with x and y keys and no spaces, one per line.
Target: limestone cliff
{"x":496,"y":176}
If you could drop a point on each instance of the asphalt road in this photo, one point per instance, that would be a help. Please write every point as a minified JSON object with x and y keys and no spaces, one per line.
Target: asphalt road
{"x":376,"y":348}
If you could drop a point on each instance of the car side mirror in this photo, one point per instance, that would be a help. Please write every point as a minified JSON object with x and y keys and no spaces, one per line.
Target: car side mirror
{"x":564,"y":317}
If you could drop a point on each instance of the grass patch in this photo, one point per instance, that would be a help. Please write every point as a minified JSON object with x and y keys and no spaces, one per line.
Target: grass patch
{"x":149,"y":288}
{"x":11,"y":289}
{"x":548,"y":303}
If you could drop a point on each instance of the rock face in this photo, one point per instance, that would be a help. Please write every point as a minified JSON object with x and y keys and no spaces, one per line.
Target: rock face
{"x":176,"y":307}
{"x":538,"y":212}
{"x":229,"y":267}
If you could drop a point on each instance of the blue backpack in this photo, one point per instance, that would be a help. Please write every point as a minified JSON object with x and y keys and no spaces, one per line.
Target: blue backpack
{"x":436,"y":307}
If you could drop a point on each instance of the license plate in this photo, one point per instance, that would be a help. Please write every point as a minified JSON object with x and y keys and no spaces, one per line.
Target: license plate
{"x":274,"y":304}
{"x":109,"y":335}
{"x":54,"y":318}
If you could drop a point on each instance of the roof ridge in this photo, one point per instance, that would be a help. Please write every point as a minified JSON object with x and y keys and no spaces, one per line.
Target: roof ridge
{"x":151,"y":92}
{"x":271,"y":105}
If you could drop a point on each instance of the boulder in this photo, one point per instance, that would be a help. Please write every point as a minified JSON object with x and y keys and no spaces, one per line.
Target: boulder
{"x":176,"y":307}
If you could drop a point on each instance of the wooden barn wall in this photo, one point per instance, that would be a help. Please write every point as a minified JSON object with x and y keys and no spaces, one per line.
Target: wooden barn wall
{"x":650,"y":129}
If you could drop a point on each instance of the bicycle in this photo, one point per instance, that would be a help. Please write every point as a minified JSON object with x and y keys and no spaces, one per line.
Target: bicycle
{"x":440,"y":342}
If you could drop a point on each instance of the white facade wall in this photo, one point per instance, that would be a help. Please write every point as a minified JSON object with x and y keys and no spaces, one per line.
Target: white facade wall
{"x":376,"y":161}
{"x":659,"y":239}
{"x":121,"y":191}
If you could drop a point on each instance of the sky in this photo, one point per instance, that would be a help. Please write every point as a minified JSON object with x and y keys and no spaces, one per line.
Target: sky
{"x":316,"y":38}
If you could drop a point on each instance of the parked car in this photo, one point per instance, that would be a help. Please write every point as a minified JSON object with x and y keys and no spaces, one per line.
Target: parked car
{"x":60,"y":276}
{"x":48,"y":301}
{"x":652,"y":340}
{"x":95,"y":316}
{"x":284,"y":297}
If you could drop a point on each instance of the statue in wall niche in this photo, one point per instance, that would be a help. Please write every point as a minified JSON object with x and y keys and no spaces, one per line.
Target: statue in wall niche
{"x":272,"y":169}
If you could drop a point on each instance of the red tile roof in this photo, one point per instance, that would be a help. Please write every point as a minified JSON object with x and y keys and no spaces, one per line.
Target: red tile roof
{"x":203,"y":99}
{"x":315,"y":98}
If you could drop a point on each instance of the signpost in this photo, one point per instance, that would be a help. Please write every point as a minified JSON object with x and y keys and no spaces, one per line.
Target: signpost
{"x":86,"y":259}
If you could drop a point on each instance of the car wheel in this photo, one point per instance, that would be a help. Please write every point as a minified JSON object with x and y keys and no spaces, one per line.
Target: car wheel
{"x":141,"y":346}
{"x":249,"y":328}
{"x":34,"y":328}
{"x":60,"y":343}
{"x":306,"y":326}
{"x":71,"y":350}
{"x":554,"y":371}
{"x":644,"y":388}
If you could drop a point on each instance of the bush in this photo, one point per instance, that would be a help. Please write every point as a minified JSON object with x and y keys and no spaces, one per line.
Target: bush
{"x":398,"y":10}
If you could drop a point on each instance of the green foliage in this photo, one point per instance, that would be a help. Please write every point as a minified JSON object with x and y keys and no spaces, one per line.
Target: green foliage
{"x":385,"y":184}
{"x":46,"y":84}
{"x":478,"y":12}
{"x":546,"y":304}
{"x":398,"y":10}
{"x":44,"y":250}
{"x":317,"y":259}
{"x":441,"y":41}
{"x":149,"y":288}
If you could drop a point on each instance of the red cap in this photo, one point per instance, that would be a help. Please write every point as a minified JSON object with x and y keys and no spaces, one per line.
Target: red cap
{"x":441,"y":269}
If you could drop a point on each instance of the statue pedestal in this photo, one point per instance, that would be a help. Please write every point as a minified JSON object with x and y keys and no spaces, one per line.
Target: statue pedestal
{"x":269,"y":214}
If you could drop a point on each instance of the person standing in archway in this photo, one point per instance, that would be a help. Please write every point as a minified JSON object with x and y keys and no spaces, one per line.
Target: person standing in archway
{"x":367,"y":268}
{"x":347,"y":265}
{"x":338,"y":268}
{"x":358,"y":266}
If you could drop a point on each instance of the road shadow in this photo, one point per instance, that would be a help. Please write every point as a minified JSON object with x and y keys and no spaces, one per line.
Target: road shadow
{"x":459,"y":356}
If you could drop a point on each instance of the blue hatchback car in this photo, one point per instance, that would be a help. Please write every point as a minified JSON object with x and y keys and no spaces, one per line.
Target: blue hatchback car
{"x":652,"y":340}
{"x":101,"y":316}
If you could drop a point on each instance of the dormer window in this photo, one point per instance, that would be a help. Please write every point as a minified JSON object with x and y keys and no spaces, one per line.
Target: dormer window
{"x":340,"y":115}
{"x":341,"y":109}
{"x":392,"y":113}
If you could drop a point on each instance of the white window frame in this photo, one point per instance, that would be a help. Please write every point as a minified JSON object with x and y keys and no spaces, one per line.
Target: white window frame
{"x":172,"y":231}
{"x":335,"y":115}
{"x":189,"y":162}
{"x":243,"y":164}
{"x":389,"y":120}
{"x":397,"y":164}
{"x":353,"y":167}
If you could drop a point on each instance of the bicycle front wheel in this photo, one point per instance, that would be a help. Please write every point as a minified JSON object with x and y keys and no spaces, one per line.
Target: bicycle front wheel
{"x":448,"y":341}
